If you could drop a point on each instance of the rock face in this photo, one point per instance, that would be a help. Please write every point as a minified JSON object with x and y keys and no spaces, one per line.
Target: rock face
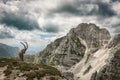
{"x":70,"y":49}
{"x":29,"y":58}
{"x":104,"y":63}
{"x":111,"y":71}
{"x":87,"y":51}
{"x":8,"y":51}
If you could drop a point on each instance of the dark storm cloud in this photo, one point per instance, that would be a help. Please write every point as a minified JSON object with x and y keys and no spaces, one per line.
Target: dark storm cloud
{"x":4,"y":35}
{"x":116,"y":25}
{"x":18,"y":21}
{"x":105,"y":10}
{"x":4,"y":1}
{"x":73,"y":10}
{"x":81,"y":9}
{"x":117,"y":30}
{"x":67,"y":8}
{"x":51,"y":28}
{"x":115,"y":0}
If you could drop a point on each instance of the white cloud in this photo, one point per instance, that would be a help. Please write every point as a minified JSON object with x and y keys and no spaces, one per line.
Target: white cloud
{"x":55,"y":17}
{"x":115,"y":6}
{"x":34,"y":39}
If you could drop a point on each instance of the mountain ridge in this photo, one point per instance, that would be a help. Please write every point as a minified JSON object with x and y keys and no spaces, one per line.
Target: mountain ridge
{"x":83,"y":52}
{"x":8,"y":51}
{"x":75,"y":42}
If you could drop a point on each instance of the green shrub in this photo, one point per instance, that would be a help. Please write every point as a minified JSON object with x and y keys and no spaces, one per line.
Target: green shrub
{"x":5,"y":62}
{"x":41,"y":73}
{"x":30,"y":75}
{"x":30,"y":70}
{"x":27,"y":67}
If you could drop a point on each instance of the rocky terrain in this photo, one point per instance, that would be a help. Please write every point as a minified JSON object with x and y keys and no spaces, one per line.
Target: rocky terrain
{"x":8,"y":51}
{"x":87,"y":52}
{"x":29,"y":58}
{"x":101,"y":65}
{"x":70,"y":49}
{"x":13,"y":69}
{"x":110,"y":71}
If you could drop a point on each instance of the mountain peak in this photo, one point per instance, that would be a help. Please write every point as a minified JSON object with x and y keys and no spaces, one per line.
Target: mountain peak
{"x":87,"y":51}
{"x":70,"y":49}
{"x":92,"y":33}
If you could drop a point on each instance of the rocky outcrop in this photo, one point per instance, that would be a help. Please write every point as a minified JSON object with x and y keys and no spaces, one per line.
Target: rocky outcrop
{"x":111,"y":71}
{"x":64,"y":51}
{"x":104,"y":63}
{"x":68,"y":75}
{"x":70,"y":49}
{"x":29,"y":58}
{"x":8,"y":51}
{"x":85,"y":53}
{"x":88,"y":51}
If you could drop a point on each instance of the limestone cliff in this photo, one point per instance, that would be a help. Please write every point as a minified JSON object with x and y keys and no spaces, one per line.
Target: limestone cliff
{"x":102,"y":64}
{"x":70,"y":49}
{"x":110,"y":71}
{"x":88,"y":51}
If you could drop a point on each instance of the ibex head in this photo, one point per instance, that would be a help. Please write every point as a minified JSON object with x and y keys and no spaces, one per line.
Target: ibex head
{"x":25,"y":44}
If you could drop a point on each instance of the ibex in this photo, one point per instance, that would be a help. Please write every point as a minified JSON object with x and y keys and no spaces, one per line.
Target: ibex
{"x":22,"y":51}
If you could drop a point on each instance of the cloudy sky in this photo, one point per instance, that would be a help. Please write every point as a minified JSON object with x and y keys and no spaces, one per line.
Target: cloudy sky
{"x":40,"y":22}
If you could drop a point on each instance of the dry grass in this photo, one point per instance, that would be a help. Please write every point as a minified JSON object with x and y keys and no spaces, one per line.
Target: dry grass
{"x":30,"y":70}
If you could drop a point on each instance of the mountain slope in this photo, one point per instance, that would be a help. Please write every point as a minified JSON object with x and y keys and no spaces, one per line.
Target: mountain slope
{"x":87,"y":51}
{"x":95,"y":62}
{"x":111,"y":71}
{"x":8,"y":51}
{"x":102,"y":64}
{"x":70,"y":49}
{"x":13,"y":69}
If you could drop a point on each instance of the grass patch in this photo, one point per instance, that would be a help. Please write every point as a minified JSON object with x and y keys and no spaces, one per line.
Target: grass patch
{"x":41,"y":73}
{"x":27,"y":66}
{"x":30,"y":70}
{"x":5,"y":62}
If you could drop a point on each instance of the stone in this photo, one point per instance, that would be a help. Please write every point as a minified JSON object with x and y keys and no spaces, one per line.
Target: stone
{"x":70,"y":49}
